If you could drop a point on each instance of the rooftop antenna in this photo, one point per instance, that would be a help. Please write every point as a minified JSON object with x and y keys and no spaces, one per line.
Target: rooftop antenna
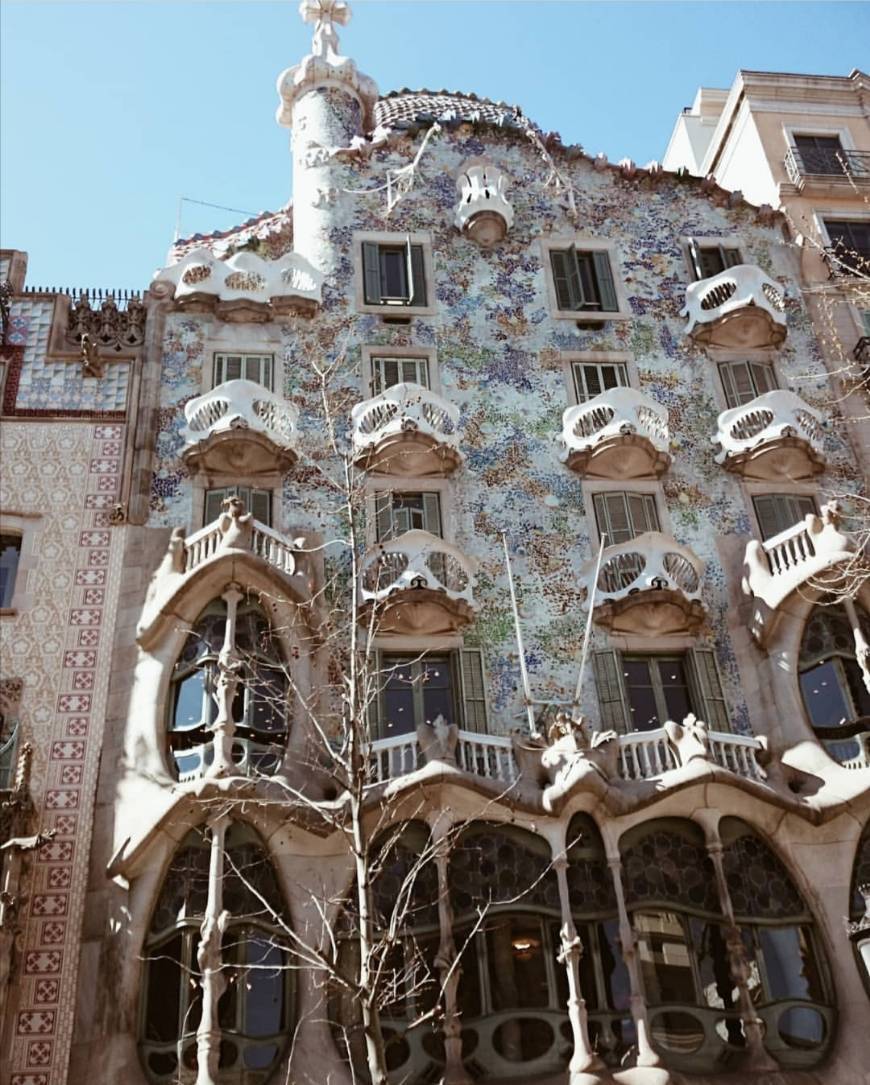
{"x":588,"y":632}
{"x":527,"y":693}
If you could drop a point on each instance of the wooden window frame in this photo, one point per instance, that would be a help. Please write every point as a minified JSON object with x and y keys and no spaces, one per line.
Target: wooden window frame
{"x":694,"y":244}
{"x":750,"y":363}
{"x":370,"y":354}
{"x":397,"y":308}
{"x":219,"y":356}
{"x":795,"y":495}
{"x":267,"y":491}
{"x":455,"y":656}
{"x":590,"y":246}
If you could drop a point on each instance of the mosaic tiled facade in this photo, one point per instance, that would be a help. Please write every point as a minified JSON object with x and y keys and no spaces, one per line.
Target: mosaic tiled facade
{"x":686,"y":879}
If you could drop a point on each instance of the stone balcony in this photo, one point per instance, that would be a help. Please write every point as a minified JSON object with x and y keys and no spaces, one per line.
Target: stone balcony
{"x":407,"y":430}
{"x":774,"y":437}
{"x":649,"y":586}
{"x":419,"y":584}
{"x":739,"y":308}
{"x":484,"y":213}
{"x":240,"y":428}
{"x":244,"y":288}
{"x":235,"y":536}
{"x":249,"y":758}
{"x":814,"y":548}
{"x":620,"y":434}
{"x":638,"y":755}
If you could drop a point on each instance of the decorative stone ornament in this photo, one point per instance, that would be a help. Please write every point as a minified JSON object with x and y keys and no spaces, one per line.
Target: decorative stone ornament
{"x":620,"y":434}
{"x":483,"y":213}
{"x":739,"y":308}
{"x":775,"y":436}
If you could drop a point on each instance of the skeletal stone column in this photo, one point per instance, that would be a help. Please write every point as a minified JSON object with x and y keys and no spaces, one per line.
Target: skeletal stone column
{"x":229,"y":677}
{"x":584,"y":1059}
{"x":753,"y":1027}
{"x":209,"y":959}
{"x":445,"y":962}
{"x":646,"y":1054}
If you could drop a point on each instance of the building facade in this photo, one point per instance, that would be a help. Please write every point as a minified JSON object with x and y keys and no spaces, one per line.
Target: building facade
{"x":801,"y":143}
{"x":467,"y":455}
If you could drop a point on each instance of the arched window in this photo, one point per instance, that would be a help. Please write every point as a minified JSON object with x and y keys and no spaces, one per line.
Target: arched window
{"x":260,"y":707}
{"x":859,"y":907}
{"x":604,"y":981}
{"x":832,"y":682}
{"x":679,"y":927}
{"x":405,"y":901}
{"x":513,"y":991}
{"x":788,"y":983}
{"x":255,"y":1008}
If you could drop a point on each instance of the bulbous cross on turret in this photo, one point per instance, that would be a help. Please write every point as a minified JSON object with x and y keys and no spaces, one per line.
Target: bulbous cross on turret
{"x":325,"y":14}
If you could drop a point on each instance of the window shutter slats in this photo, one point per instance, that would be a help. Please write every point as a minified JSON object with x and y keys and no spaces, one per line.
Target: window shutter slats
{"x":261,"y":506}
{"x":213,"y":502}
{"x":611,"y":694}
{"x":731,"y":257}
{"x":710,"y":688}
{"x":604,"y":278}
{"x":561,"y":263}
{"x":432,"y":513}
{"x":417,"y":275}
{"x":473,"y":689}
{"x":371,"y":273}
{"x":384,"y":515}
{"x":763,"y":377}
{"x":771,"y":515}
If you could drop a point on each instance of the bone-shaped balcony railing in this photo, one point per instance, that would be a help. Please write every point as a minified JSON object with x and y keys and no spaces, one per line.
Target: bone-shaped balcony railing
{"x":417,"y":559}
{"x":240,"y":404}
{"x":643,"y":755}
{"x":766,"y":418}
{"x":402,"y":408}
{"x":735,"y":288}
{"x":243,"y":277}
{"x":616,"y":412}
{"x":781,"y":564}
{"x":263,"y":541}
{"x":651,"y":560}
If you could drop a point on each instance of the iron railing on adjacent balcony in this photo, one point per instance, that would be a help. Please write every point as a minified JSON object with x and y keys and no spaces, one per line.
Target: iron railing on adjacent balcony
{"x":830,"y":163}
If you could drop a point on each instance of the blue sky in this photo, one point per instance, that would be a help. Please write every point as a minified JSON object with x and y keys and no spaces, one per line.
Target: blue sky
{"x":110,"y":111}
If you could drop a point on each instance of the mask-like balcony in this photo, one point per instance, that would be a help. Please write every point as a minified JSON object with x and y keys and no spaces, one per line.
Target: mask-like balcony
{"x":650,"y":586}
{"x":620,"y":434}
{"x":419,"y":584}
{"x":739,"y":308}
{"x":407,"y":430}
{"x":484,"y":213}
{"x":776,"y":436}
{"x":240,"y":428}
{"x":812,"y":548}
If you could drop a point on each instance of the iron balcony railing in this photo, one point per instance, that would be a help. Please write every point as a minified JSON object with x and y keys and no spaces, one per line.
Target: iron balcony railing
{"x":827,"y":162}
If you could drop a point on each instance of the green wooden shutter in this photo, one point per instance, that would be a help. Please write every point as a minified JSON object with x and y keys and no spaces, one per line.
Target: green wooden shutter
{"x":611,"y":691}
{"x":764,"y":377}
{"x":261,"y":506}
{"x":566,"y":278}
{"x":384,"y":515}
{"x":416,"y":275}
{"x":712,"y":710}
{"x":643,"y":513}
{"x":604,"y":279}
{"x":473,"y":689}
{"x":432,"y":513}
{"x":731,"y":257}
{"x":213,"y":501}
{"x":772,"y":514}
{"x":371,"y":273}
{"x":695,"y":259}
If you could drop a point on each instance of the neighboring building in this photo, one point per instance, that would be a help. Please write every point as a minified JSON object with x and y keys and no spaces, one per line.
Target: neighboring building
{"x":801,"y":143}
{"x":508,"y":347}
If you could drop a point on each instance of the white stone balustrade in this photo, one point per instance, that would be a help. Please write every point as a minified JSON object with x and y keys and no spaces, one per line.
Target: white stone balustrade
{"x":739,"y":307}
{"x":241,"y":405}
{"x":483,"y":212}
{"x":767,"y":422}
{"x":266,"y":543}
{"x":417,"y":559}
{"x":643,"y":755}
{"x":780,"y":565}
{"x":245,"y":277}
{"x":249,"y":758}
{"x":617,"y":421}
{"x":407,"y":429}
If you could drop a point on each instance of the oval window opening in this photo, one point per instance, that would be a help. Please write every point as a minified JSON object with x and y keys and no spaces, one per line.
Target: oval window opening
{"x":523,"y":1038}
{"x":678,"y":1032}
{"x":802,"y":1027}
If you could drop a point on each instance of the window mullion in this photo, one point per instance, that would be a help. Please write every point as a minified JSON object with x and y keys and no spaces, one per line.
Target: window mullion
{"x":658,"y":689}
